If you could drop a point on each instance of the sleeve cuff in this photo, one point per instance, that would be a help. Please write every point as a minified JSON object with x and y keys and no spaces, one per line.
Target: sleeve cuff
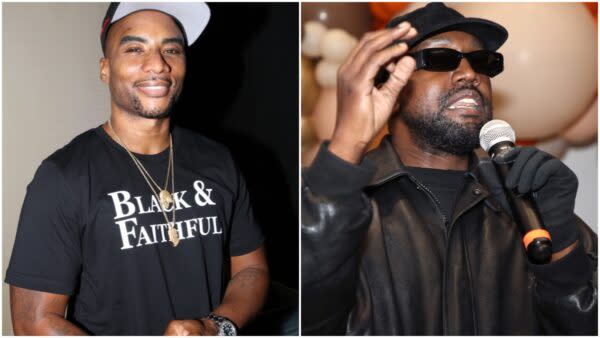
{"x":331,"y":175}
{"x":246,"y":247}
{"x":37,"y":283}
{"x":563,"y":275}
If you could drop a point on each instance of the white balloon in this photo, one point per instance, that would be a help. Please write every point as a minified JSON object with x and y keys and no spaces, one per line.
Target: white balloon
{"x":326,"y":73}
{"x":313,"y":32}
{"x":336,"y":44}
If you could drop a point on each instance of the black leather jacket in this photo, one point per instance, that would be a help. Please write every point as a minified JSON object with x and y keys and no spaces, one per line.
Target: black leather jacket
{"x":378,"y":258}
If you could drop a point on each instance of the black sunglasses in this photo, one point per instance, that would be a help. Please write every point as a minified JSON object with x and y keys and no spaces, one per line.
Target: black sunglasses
{"x":484,"y":62}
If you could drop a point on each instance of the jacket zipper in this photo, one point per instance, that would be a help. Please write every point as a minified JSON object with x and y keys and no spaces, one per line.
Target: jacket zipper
{"x":447,"y":232}
{"x":434,"y":199}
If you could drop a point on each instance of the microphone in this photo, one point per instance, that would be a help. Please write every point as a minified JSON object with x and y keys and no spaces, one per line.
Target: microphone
{"x":497,"y":138}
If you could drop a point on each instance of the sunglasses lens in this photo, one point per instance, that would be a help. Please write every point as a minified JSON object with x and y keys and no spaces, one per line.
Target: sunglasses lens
{"x":444,"y":59}
{"x":441,"y":59}
{"x":486,"y":62}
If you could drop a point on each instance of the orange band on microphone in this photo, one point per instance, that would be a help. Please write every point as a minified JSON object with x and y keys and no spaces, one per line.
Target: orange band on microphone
{"x":533,"y":234}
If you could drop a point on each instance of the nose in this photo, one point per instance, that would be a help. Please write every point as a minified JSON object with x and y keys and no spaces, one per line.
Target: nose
{"x":465,"y":74}
{"x":156,"y":63}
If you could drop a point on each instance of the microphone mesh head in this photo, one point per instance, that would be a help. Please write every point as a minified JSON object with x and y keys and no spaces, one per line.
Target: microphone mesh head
{"x":495,"y":131}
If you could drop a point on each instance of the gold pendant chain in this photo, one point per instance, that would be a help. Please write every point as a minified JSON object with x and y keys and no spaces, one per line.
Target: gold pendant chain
{"x":149,"y":176}
{"x":160,"y":197}
{"x":164,"y":196}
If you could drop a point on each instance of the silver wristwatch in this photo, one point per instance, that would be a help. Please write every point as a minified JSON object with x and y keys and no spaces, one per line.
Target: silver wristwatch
{"x":225,"y":326}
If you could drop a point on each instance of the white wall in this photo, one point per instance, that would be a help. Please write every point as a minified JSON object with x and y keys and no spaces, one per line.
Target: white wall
{"x":51,"y":93}
{"x":583,"y":161}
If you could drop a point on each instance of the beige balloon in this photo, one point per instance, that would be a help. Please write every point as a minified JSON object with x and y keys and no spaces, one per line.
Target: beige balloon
{"x":326,"y":73}
{"x":336,"y":45}
{"x":550,"y":60}
{"x":311,"y":38}
{"x":324,"y":115}
{"x":310,"y":87}
{"x":585,"y":130}
{"x":309,"y":137}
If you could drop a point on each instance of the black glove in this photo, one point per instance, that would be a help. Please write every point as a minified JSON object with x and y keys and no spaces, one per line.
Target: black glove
{"x":553,"y":187}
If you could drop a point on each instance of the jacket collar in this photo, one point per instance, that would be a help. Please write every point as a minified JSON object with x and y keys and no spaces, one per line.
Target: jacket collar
{"x":388,"y":164}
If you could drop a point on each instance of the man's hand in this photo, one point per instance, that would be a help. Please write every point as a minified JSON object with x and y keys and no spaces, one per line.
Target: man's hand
{"x":192,"y":327}
{"x":362,"y":108}
{"x":553,"y":186}
{"x":244,"y":296}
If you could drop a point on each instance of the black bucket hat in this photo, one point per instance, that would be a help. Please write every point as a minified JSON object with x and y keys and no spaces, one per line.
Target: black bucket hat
{"x":436,"y":18}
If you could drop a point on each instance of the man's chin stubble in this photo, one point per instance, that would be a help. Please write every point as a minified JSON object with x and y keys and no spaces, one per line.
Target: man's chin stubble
{"x":442,"y":135}
{"x":156,"y":114}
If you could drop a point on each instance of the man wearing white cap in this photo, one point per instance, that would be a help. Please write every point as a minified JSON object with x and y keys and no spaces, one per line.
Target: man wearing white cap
{"x":139,"y":226}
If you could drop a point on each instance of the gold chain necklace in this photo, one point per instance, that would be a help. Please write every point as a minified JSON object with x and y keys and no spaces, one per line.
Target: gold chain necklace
{"x":162,"y":195}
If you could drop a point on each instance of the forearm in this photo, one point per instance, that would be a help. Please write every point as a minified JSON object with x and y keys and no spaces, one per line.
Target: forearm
{"x":49,"y":325}
{"x":40,"y":313}
{"x":245,"y":295}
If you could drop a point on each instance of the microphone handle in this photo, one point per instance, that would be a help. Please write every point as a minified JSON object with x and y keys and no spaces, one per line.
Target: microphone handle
{"x":536,"y":239}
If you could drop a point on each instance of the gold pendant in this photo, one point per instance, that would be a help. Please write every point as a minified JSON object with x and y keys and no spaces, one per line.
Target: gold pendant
{"x":173,"y":236}
{"x":165,"y":199}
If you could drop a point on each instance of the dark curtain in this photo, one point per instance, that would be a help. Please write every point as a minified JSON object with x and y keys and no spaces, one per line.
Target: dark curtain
{"x":241,"y":89}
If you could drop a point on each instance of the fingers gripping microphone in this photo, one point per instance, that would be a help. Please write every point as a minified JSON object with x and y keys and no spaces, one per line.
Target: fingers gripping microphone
{"x":497,"y":138}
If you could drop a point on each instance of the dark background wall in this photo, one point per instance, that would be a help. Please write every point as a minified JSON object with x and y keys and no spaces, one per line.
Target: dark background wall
{"x":242,"y":90}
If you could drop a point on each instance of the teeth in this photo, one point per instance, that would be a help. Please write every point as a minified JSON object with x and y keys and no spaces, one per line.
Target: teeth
{"x":466,"y":102}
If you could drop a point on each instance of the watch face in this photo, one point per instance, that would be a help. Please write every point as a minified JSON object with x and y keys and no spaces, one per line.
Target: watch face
{"x":227,"y":329}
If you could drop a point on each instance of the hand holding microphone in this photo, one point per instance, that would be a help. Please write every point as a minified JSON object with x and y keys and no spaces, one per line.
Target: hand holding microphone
{"x":540,"y":188}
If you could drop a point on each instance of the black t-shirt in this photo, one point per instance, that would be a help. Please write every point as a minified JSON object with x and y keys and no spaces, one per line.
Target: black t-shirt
{"x":444,"y":184}
{"x":91,"y":228}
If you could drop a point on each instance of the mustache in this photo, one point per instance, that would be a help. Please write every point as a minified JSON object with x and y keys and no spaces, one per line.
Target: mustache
{"x":154,"y":78}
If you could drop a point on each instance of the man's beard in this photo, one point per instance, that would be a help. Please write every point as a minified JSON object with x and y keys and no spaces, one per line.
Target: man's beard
{"x":139,"y":110}
{"x":438,"y":133}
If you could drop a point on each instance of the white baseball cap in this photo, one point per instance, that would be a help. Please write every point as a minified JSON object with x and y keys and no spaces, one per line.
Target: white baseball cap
{"x":192,"y":16}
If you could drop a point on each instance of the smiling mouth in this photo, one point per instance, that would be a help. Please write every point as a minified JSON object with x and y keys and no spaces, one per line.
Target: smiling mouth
{"x":154,"y":89}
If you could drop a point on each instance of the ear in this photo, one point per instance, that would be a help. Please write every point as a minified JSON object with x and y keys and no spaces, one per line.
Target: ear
{"x":104,"y":73}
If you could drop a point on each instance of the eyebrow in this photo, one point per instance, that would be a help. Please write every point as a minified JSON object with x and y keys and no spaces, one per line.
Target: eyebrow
{"x":173,"y":40}
{"x":130,"y":38}
{"x":133,"y":38}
